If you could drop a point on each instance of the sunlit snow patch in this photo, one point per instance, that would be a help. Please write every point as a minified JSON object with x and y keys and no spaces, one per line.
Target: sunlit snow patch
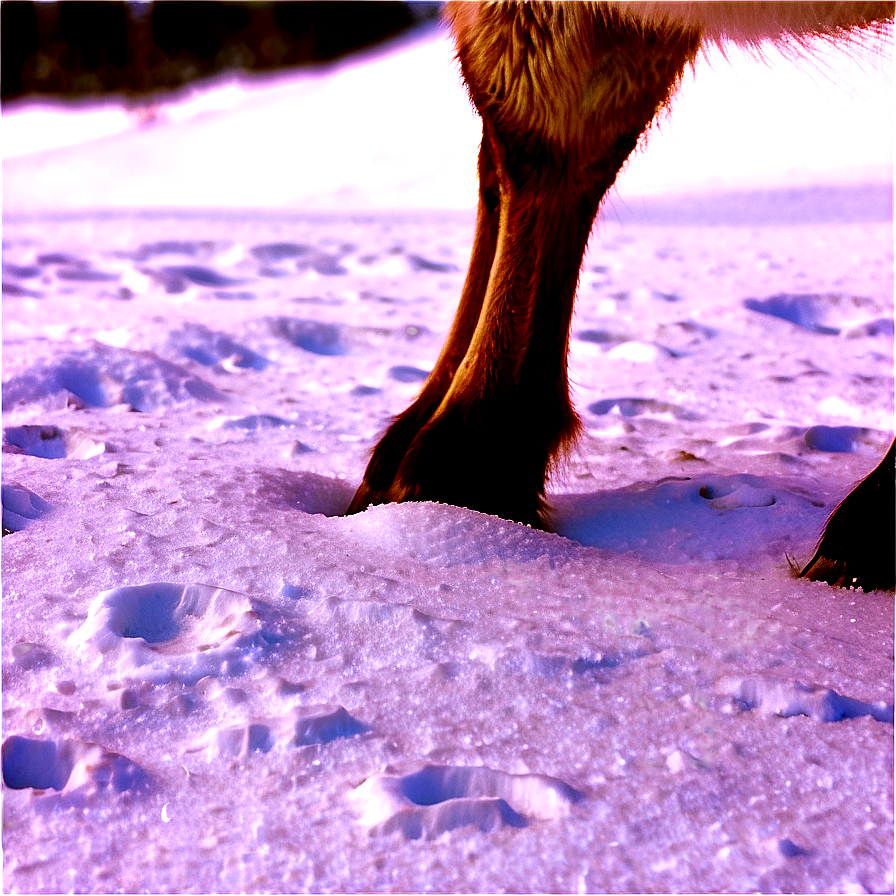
{"x":164,"y":631}
{"x":636,"y":352}
{"x":437,"y":798}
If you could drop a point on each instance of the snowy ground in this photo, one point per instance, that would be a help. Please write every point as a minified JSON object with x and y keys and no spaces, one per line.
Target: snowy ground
{"x":213,"y":682}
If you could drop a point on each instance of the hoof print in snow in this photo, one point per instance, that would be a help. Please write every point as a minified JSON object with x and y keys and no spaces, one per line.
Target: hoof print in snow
{"x":835,"y":439}
{"x":251,"y":423}
{"x":50,"y":442}
{"x":68,"y":766}
{"x":791,"y":698}
{"x":21,"y":507}
{"x":322,"y":724}
{"x":404,"y":373}
{"x":307,"y":725}
{"x":734,"y":492}
{"x":419,"y":263}
{"x":211,"y":348}
{"x":238,"y":741}
{"x":101,"y":376}
{"x":164,"y":631}
{"x":436,"y":799}
{"x":638,"y":407}
{"x":829,"y":314}
{"x":790,"y":850}
{"x":177,"y":278}
{"x":310,"y":335}
{"x":304,"y":491}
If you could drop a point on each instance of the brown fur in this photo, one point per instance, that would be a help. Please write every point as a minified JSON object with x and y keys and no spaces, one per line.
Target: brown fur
{"x":565,"y":91}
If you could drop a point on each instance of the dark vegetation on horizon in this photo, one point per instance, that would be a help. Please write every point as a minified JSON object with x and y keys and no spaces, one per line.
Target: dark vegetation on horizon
{"x":77,"y":49}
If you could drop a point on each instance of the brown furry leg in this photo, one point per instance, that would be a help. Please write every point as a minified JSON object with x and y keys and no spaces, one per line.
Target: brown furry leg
{"x":564,"y":91}
{"x":507,"y":412}
{"x":859,"y":541}
{"x":393,"y":445}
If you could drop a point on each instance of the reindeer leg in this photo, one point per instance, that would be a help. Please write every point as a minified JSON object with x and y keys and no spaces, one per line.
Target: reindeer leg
{"x":393,"y":445}
{"x":507,"y":411}
{"x":561,"y":112}
{"x":856,"y":549}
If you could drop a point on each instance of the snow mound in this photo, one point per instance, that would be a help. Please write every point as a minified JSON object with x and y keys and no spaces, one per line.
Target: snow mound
{"x":449,"y":536}
{"x":434,"y":799}
{"x":305,"y":491}
{"x":636,"y":351}
{"x":164,"y":631}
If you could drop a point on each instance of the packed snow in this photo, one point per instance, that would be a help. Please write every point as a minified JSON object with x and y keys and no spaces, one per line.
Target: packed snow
{"x":214,"y":682}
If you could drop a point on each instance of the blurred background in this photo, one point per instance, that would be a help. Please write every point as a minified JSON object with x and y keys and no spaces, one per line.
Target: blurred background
{"x":359,"y":105}
{"x":80,"y":49}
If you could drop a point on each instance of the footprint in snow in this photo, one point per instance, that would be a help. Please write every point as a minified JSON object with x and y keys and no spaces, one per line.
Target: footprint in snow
{"x":16,"y":290}
{"x":21,"y":507}
{"x":681,"y":519}
{"x":311,"y":335}
{"x":189,"y":248}
{"x":434,"y":799}
{"x":176,"y":278}
{"x":304,"y":726}
{"x":211,"y":348}
{"x":164,"y":632}
{"x":101,"y":376}
{"x":837,"y":438}
{"x":404,"y":373}
{"x":69,"y":767}
{"x":830,"y":314}
{"x":792,"y":698}
{"x":419,"y":263}
{"x":50,"y":442}
{"x":638,"y":407}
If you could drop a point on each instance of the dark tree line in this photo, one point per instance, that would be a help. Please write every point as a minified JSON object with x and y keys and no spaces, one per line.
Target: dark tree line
{"x":76,"y":48}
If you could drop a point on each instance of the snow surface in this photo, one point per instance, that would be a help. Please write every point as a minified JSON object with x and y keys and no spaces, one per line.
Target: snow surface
{"x":213,"y":682}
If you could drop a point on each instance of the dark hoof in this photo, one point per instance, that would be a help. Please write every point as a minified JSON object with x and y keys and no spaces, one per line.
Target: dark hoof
{"x":858,"y":548}
{"x":451,"y":461}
